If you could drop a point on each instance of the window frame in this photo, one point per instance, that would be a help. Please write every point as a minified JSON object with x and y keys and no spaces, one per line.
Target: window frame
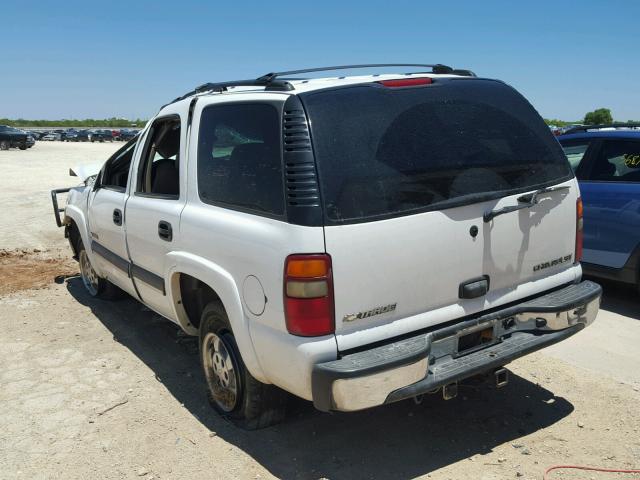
{"x":278,"y":105}
{"x":595,"y":155}
{"x":114,"y":188}
{"x":143,"y":160}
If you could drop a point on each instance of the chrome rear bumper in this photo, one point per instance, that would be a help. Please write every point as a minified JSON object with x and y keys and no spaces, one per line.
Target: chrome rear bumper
{"x":419,"y":364}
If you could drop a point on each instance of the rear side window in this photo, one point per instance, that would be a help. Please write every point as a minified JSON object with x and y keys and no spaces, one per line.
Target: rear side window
{"x":618,"y":161}
{"x":575,"y":150}
{"x":239,"y":159}
{"x":383,"y":152}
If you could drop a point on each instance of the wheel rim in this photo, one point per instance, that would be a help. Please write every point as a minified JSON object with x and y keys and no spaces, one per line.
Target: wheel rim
{"x":221,"y":372}
{"x":4,"y":145}
{"x":89,"y":276}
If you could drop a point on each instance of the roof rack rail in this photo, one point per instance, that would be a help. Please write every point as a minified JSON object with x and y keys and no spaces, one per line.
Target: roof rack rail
{"x":223,"y":86}
{"x":270,"y":80}
{"x":584,"y":128}
{"x":435,"y":68}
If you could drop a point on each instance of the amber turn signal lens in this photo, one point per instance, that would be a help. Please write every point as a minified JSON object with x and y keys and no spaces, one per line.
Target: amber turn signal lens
{"x":307,"y":268}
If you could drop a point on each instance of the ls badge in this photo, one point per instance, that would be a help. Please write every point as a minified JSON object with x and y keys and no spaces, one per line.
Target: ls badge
{"x":370,"y":313}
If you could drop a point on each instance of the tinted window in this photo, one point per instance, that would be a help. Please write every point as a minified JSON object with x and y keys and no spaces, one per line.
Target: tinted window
{"x":618,"y":161}
{"x":239,"y":161}
{"x":160,"y":163}
{"x":116,"y":172}
{"x":575,"y":152}
{"x":391,"y":151}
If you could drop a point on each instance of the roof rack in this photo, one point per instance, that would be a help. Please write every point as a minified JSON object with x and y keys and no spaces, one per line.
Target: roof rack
{"x":270,"y":80}
{"x":435,"y":68}
{"x":584,"y":128}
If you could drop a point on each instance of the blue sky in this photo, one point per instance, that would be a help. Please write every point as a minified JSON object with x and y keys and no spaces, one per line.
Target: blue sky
{"x":100,"y":59}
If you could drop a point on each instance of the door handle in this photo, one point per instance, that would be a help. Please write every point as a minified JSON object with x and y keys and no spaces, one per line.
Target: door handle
{"x":117,"y":216}
{"x":165,"y":231}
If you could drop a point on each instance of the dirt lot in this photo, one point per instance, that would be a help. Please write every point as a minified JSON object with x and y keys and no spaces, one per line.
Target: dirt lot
{"x":93,"y":389}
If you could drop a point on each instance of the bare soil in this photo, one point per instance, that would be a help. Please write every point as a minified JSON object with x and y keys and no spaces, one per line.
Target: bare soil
{"x":30,"y":269}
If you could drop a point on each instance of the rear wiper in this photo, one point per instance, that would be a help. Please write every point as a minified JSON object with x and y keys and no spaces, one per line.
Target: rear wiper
{"x":526,"y":201}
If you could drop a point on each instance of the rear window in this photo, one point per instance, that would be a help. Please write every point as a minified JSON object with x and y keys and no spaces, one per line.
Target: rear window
{"x":384,"y":152}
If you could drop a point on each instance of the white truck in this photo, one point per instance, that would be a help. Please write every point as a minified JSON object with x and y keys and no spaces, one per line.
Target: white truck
{"x":353,"y":240}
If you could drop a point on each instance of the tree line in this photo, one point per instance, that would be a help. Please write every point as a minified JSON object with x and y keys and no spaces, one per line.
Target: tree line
{"x":600,"y":116}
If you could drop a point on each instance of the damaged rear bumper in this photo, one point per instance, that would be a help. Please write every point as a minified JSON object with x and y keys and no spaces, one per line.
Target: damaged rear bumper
{"x":419,"y":364}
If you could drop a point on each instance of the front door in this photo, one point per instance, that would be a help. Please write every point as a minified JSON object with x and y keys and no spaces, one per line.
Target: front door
{"x":611,"y":196}
{"x":106,"y":222}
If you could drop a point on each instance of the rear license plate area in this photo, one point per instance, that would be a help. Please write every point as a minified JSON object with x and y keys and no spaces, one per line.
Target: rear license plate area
{"x":479,"y":338}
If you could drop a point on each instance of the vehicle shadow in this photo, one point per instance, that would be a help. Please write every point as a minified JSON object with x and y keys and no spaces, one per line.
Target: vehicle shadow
{"x":619,"y":298}
{"x":398,"y":441}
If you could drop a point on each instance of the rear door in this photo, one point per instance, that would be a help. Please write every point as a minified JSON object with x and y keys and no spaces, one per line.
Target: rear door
{"x":611,"y":195}
{"x":406,"y":176}
{"x":154,"y":207}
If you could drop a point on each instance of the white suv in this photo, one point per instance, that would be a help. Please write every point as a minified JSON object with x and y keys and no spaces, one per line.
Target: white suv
{"x":351,"y":240}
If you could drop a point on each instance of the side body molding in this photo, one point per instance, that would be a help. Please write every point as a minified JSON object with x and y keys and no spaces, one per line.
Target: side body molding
{"x":223,"y":284}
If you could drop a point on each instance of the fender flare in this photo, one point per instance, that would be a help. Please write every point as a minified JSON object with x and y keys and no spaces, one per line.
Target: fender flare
{"x":221,"y":282}
{"x":75,"y":213}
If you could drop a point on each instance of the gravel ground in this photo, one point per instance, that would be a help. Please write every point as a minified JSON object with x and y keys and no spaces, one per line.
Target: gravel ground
{"x":94,"y":389}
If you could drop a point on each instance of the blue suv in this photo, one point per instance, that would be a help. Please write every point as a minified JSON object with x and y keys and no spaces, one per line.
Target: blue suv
{"x":606,"y":160}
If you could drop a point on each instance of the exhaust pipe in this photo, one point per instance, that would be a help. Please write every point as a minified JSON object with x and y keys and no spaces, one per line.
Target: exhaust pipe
{"x":450,"y":391}
{"x":501,"y":376}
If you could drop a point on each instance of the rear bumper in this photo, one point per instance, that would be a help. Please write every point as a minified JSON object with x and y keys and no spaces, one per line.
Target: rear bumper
{"x":422,"y":363}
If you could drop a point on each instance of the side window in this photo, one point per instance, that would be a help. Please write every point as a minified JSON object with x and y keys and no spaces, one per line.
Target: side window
{"x":239,"y":160}
{"x":116,"y":170}
{"x":575,"y":152}
{"x":159,"y":166}
{"x":618,"y":161}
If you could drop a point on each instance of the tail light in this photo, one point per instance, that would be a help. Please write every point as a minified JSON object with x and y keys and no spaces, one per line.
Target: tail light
{"x":308,"y":295}
{"x":579,"y":232}
{"x":407,"y":82}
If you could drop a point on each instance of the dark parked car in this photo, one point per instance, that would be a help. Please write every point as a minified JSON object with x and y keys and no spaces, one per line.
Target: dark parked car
{"x":12,"y":137}
{"x":127,"y":134}
{"x":70,"y":136}
{"x":100,"y":136}
{"x":606,"y":159}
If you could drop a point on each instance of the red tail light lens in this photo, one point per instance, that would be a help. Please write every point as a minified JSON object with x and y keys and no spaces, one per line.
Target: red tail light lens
{"x":407,"y":82}
{"x":308,"y":295}
{"x":579,"y":232}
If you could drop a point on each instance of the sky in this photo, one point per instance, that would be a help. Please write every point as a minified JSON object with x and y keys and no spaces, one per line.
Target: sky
{"x":81,"y":59}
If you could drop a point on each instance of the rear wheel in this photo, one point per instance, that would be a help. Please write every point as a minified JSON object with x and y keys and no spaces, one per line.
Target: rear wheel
{"x":4,"y":145}
{"x":95,"y":286}
{"x":233,"y":392}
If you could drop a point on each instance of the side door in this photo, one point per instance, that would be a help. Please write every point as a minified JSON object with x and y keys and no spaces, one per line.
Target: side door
{"x":106,"y":219}
{"x":157,"y":197}
{"x":611,"y":194}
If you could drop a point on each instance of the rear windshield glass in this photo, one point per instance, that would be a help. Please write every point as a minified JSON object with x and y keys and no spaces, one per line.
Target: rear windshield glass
{"x":384,"y":152}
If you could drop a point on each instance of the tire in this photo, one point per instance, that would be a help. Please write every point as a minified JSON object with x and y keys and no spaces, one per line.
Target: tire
{"x":4,"y":145}
{"x":22,"y":147}
{"x":94,"y":285}
{"x":232,"y":390}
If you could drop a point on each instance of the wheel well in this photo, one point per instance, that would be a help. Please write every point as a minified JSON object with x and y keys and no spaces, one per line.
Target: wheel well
{"x":196,"y":295}
{"x":73,"y":234}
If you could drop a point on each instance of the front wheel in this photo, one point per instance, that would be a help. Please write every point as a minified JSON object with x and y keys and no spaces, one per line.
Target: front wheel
{"x":233,"y":392}
{"x":95,"y":286}
{"x":22,"y":147}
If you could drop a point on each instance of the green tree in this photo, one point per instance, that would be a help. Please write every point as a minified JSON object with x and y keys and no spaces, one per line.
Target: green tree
{"x":598,"y":117}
